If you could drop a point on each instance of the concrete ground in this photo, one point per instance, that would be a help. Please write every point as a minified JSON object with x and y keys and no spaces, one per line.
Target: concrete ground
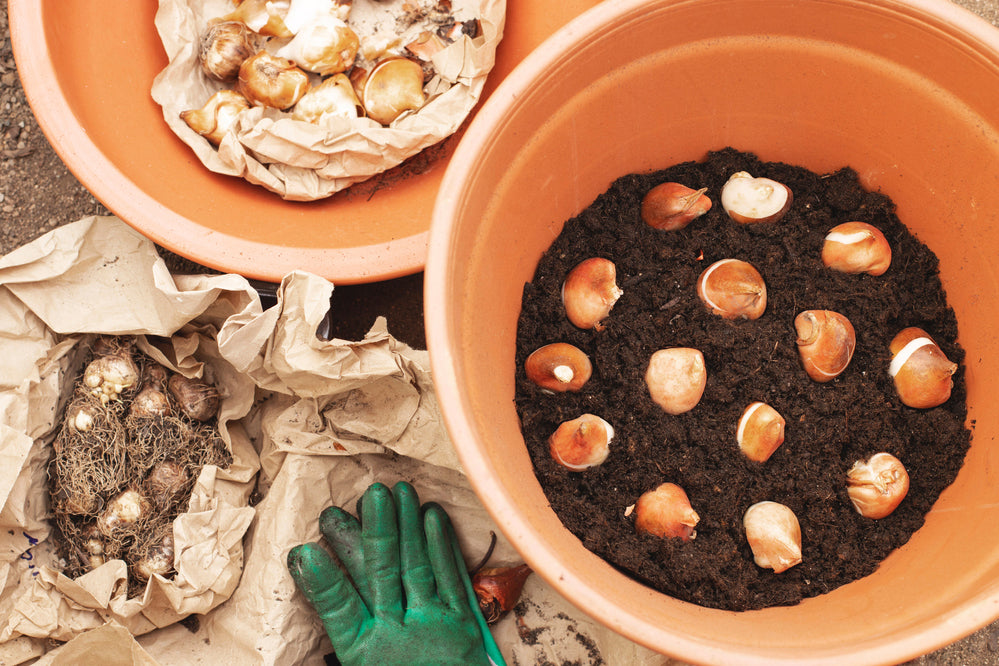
{"x":38,"y":194}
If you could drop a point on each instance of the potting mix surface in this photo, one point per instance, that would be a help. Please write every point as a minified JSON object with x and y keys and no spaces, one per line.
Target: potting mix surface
{"x":829,"y":426}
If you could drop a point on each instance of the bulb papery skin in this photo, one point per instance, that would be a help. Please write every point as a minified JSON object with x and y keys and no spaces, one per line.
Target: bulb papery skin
{"x":733,"y":289}
{"x":264,"y":17}
{"x":921,"y":372}
{"x":669,"y":206}
{"x":666,"y":513}
{"x":760,"y":431}
{"x":749,"y":200}
{"x":558,"y":367}
{"x":392,"y":87}
{"x":877,"y":486}
{"x":856,"y":247}
{"x":675,"y":378}
{"x":326,"y":46}
{"x":223,"y":49}
{"x":581,"y":443}
{"x":266,"y":80}
{"x":774,"y":535}
{"x":218,"y":116}
{"x":334,"y":98}
{"x":589,"y":293}
{"x":826,"y":341}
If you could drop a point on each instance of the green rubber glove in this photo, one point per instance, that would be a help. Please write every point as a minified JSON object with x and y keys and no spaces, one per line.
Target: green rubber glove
{"x":403,"y":595}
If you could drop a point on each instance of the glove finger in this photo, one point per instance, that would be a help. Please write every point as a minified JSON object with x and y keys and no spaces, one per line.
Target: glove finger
{"x":417,"y":574}
{"x":325,"y":586}
{"x":445,"y":557}
{"x":343,"y":532}
{"x":380,"y":542}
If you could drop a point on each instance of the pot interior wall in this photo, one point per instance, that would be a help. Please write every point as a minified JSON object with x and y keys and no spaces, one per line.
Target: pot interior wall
{"x":888,"y":88}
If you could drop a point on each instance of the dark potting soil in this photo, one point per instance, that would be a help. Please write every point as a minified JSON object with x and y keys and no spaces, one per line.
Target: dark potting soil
{"x":829,"y":426}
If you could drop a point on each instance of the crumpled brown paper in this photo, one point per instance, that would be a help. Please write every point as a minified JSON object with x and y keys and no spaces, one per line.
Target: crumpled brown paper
{"x":302,"y":161}
{"x":330,"y":418}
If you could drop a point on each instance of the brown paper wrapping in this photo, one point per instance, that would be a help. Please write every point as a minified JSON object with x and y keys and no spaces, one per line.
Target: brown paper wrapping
{"x":326,"y":419}
{"x":302,"y":161}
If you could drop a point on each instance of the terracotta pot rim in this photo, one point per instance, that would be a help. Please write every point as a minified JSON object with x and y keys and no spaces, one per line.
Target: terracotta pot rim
{"x":443,"y":337}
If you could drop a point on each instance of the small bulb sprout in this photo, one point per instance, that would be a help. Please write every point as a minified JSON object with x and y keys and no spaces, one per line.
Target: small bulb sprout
{"x":581,"y":443}
{"x":922,"y":373}
{"x":666,"y":513}
{"x":826,"y":341}
{"x":774,"y":535}
{"x":877,"y":486}
{"x":671,"y":206}
{"x":107,"y":376}
{"x":676,"y":378}
{"x":558,"y":367}
{"x":733,"y":289}
{"x":760,"y":431}
{"x":749,"y":200}
{"x":589,"y":292}
{"x":856,"y":247}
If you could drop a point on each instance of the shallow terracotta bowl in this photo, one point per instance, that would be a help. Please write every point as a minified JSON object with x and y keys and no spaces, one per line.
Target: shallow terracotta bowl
{"x":907,"y":93}
{"x":87,"y":67}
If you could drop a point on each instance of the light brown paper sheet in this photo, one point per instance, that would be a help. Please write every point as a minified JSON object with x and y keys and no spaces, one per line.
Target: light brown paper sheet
{"x":330,"y":417}
{"x":302,"y":161}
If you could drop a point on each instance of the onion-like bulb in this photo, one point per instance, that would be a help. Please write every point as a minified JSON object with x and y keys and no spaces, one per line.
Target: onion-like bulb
{"x":334,"y":97}
{"x":223,"y":48}
{"x":123,"y":512}
{"x":196,"y":399}
{"x":267,"y":80}
{"x":157,"y":560}
{"x":264,"y":17}
{"x":107,"y":376}
{"x":326,"y":46}
{"x":394,"y":86}
{"x":219,"y":114}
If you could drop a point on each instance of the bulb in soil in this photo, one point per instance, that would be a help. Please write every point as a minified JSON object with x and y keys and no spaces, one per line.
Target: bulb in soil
{"x":877,"y":486}
{"x":856,"y":247}
{"x":150,"y":401}
{"x":166,"y":480}
{"x":676,"y":378}
{"x":666,"y":513}
{"x":581,"y":443}
{"x":671,"y":206}
{"x":589,"y":292}
{"x":774,"y":535}
{"x":559,"y":367}
{"x":760,"y":431}
{"x":733,"y":289}
{"x":922,"y":373}
{"x":749,"y":200}
{"x":826,"y":341}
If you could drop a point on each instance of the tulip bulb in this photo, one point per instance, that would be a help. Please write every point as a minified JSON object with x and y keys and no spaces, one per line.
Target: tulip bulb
{"x":672,"y":206}
{"x":334,"y":97}
{"x":218,"y":116}
{"x":392,"y":87}
{"x":922,"y":373}
{"x":326,"y":46}
{"x":826,"y":341}
{"x":732,"y":289}
{"x":558,"y":367}
{"x":267,"y":80}
{"x":877,"y":486}
{"x":581,"y":443}
{"x":223,"y":48}
{"x":760,"y":431}
{"x":666,"y":513}
{"x":774,"y":535}
{"x":676,"y":378}
{"x":856,"y":247}
{"x":749,"y":200}
{"x":589,"y":292}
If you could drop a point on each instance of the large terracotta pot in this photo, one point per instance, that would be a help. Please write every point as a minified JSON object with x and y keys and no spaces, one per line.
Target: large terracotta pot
{"x":907,"y":93}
